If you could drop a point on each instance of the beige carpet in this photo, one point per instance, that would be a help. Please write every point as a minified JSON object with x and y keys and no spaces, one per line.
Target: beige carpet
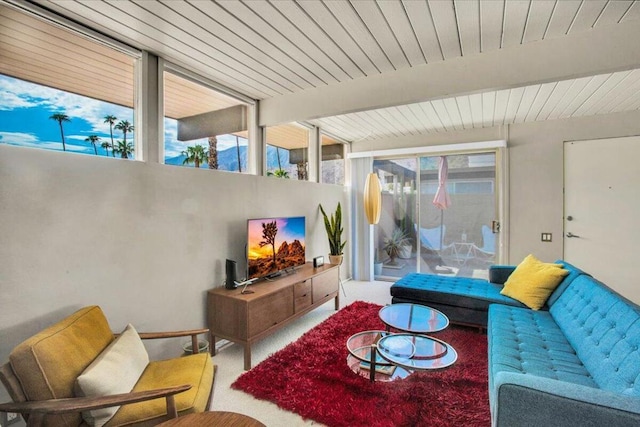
{"x":230,"y":359}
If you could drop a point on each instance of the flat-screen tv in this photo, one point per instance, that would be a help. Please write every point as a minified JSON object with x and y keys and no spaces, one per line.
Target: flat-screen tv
{"x":274,"y":245}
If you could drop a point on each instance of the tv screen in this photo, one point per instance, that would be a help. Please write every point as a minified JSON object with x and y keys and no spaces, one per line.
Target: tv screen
{"x":274,"y":244}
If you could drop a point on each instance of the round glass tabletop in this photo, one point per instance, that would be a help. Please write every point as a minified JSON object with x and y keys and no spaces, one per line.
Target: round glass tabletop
{"x":360,"y":348}
{"x":360,"y":344}
{"x":415,"y":318}
{"x":416,"y":352}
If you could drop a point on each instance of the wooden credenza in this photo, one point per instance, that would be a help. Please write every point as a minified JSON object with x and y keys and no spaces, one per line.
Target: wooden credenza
{"x":246,"y":318}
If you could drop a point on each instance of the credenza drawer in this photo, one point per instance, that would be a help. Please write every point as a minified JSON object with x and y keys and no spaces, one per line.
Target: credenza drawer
{"x":325,"y":285}
{"x":270,"y":310}
{"x":302,"y":295}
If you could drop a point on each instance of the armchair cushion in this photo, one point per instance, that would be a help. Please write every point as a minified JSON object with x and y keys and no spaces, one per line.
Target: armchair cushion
{"x":196,"y":370}
{"x":116,"y":370}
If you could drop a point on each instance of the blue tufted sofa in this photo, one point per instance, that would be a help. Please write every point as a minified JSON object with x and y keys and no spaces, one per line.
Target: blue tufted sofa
{"x":576,"y":362}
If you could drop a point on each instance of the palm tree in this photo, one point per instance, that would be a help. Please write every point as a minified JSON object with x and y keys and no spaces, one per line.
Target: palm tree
{"x":196,"y":155}
{"x":124,"y":148}
{"x":213,"y":152}
{"x":111,"y":120}
{"x":61,"y":117}
{"x":93,"y":139}
{"x":279,"y":173}
{"x":278,"y":155}
{"x":125,"y":127}
{"x":238,"y":149}
{"x":106,"y":147}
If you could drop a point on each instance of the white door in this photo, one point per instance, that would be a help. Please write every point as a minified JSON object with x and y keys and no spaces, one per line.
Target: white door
{"x":602,"y":211}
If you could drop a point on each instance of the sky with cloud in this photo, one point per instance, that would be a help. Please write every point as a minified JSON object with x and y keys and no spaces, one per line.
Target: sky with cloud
{"x":25,"y":109}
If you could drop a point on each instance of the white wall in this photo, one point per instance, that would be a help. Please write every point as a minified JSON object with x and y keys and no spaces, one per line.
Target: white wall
{"x":535,"y":172}
{"x":144,"y":241}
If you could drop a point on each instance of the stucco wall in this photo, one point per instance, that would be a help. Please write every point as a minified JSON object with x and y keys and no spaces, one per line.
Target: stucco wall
{"x":142,"y":240}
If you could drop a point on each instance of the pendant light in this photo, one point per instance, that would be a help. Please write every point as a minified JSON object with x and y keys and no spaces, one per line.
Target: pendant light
{"x":372,"y":198}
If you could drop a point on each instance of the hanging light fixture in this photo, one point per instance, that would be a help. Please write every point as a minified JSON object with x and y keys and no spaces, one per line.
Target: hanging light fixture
{"x":372,"y":198}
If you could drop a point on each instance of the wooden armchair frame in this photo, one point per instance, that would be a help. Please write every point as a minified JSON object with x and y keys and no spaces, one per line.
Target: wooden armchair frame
{"x":35,"y":412}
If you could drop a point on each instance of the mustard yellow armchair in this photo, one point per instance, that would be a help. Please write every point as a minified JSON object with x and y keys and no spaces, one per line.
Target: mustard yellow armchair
{"x":47,"y":376}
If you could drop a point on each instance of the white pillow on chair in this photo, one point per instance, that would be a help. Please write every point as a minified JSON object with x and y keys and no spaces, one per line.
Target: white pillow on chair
{"x":116,"y":370}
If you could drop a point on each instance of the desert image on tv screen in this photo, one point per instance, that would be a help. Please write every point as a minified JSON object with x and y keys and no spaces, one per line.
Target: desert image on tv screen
{"x":274,"y":244}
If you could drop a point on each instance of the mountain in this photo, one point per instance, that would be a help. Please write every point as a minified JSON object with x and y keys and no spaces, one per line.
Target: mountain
{"x":228,"y":159}
{"x":294,"y":250}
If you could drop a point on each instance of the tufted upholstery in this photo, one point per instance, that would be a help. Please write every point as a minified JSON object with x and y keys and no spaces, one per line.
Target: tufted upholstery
{"x":579,"y":361}
{"x":604,"y":328}
{"x":574,"y":272}
{"x":462,"y":299}
{"x":530,"y":342}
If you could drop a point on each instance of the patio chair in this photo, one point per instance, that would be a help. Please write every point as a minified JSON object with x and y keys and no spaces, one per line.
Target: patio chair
{"x":488,"y":248}
{"x":430,"y":241}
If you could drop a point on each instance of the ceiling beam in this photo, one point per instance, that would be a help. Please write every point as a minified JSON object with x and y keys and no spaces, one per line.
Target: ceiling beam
{"x":598,"y":51}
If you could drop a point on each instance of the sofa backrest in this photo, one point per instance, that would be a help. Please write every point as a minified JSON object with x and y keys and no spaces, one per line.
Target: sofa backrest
{"x":48,"y":363}
{"x":604,"y":329}
{"x":573,"y":273}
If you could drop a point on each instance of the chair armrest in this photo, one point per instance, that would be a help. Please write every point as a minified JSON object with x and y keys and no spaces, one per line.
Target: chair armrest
{"x":500,"y":273}
{"x":193,"y":333}
{"x":172,"y":334}
{"x":38,"y":409}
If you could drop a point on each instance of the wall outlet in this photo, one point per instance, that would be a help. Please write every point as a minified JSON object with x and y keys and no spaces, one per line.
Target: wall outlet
{"x":546,"y":237}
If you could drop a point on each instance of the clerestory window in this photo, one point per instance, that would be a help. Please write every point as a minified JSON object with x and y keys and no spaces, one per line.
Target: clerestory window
{"x":63,"y":90}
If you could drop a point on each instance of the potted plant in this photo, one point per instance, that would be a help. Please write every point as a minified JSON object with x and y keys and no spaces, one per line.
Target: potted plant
{"x":395,"y":244}
{"x":377,"y":264}
{"x":333,"y":225}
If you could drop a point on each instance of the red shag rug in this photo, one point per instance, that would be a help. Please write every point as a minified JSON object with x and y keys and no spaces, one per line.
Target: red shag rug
{"x":311,"y":378}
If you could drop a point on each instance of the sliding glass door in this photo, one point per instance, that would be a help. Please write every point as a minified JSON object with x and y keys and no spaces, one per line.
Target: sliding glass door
{"x":439,"y":215}
{"x":457,"y":228}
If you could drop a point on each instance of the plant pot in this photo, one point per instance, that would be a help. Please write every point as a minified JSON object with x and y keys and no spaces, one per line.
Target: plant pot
{"x":405,"y":251}
{"x":336,"y":259}
{"x":377,"y":268}
{"x":203,"y":347}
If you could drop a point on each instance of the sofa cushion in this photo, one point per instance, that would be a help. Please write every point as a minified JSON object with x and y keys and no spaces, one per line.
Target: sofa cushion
{"x":533,"y":281}
{"x":196,"y":370}
{"x":116,"y":370}
{"x":48,"y":363}
{"x":530,"y":342}
{"x":604,"y":328}
{"x":460,"y":291}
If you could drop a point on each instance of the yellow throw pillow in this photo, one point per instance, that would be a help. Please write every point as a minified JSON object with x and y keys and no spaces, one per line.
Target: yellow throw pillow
{"x":533,"y":281}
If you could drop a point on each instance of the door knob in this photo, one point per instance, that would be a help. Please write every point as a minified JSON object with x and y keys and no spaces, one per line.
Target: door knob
{"x":570,"y":234}
{"x":569,"y":218}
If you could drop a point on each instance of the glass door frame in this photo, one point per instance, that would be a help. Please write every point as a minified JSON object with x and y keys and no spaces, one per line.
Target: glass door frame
{"x":364,"y":254}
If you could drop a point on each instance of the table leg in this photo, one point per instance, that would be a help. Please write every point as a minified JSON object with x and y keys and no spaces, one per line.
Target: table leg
{"x":247,"y":356}
{"x":372,"y":363}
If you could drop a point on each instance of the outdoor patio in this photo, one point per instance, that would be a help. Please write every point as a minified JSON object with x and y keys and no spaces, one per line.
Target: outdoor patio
{"x":458,"y":261}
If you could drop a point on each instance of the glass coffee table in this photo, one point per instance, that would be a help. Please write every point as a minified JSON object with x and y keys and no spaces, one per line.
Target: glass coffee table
{"x":387,"y":356}
{"x":413,"y":318}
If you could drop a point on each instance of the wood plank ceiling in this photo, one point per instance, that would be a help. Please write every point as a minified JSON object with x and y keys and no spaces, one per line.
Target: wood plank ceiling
{"x":270,"y":48}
